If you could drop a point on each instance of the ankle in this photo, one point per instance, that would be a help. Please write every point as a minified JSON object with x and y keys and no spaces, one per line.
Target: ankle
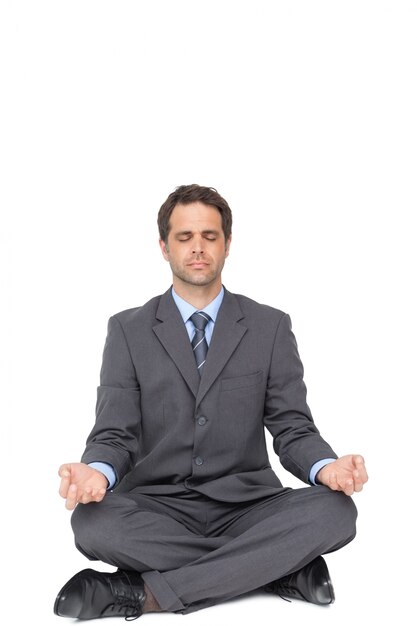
{"x":150,"y":605}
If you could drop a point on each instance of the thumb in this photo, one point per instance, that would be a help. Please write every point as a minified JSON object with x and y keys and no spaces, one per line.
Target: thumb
{"x":65,"y":470}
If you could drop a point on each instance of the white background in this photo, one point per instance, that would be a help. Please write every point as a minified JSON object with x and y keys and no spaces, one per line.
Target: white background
{"x":303,"y":116}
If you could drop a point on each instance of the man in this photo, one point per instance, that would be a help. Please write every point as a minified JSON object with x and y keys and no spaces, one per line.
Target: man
{"x":175,"y":488}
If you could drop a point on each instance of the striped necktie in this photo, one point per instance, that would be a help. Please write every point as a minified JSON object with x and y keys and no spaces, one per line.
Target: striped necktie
{"x":199,"y":342}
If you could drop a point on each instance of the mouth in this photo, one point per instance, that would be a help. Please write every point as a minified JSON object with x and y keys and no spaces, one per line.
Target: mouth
{"x":198,"y":264}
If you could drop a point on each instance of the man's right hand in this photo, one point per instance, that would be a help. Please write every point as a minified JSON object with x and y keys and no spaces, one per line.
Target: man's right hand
{"x":81,"y":483}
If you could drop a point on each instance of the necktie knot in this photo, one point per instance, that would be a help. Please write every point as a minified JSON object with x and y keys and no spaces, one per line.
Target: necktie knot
{"x":200,"y":320}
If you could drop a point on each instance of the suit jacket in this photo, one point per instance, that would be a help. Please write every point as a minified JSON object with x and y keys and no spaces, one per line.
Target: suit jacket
{"x":165,"y":430}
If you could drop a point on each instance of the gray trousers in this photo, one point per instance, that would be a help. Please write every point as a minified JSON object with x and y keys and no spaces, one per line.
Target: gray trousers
{"x":193,"y":551}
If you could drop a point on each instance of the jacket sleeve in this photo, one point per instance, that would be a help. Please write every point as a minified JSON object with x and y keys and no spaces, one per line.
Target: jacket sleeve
{"x":287,"y":416}
{"x":115,"y":435}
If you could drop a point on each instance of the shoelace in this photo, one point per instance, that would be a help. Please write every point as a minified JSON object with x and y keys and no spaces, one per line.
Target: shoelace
{"x":127,"y":601}
{"x":284,"y":588}
{"x":281,"y":587}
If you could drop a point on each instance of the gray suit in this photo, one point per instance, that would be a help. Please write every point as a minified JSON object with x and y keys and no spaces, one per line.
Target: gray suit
{"x":196,"y":493}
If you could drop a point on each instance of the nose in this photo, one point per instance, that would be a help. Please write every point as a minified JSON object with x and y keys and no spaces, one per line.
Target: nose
{"x":198,"y":245}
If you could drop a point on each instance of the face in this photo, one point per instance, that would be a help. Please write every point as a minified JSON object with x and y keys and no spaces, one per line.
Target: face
{"x":196,"y":248}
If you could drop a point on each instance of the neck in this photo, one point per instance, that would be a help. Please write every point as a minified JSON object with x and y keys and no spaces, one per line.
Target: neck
{"x":197,"y":295}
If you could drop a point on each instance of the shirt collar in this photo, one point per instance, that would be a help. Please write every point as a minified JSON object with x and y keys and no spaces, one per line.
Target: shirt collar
{"x":186,"y":309}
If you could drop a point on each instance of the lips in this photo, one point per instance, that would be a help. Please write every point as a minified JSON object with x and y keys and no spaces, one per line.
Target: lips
{"x":198,"y":265}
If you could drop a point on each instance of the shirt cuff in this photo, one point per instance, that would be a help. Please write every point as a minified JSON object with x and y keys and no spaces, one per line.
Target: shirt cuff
{"x":316,"y":468}
{"x":107,"y":470}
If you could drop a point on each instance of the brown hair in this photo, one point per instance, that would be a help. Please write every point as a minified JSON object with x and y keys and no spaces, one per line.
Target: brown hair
{"x":186,"y":194}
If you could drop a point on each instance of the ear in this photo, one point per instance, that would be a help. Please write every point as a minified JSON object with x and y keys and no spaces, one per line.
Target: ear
{"x":228,"y":242}
{"x":164,"y":249}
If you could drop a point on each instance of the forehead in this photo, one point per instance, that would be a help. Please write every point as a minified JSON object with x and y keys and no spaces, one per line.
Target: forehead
{"x":195,"y":216}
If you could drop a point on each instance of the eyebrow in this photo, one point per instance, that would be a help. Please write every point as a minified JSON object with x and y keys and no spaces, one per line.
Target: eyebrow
{"x":204,"y":232}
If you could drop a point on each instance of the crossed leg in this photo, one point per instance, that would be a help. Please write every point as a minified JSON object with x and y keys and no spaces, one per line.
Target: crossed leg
{"x":198,"y":552}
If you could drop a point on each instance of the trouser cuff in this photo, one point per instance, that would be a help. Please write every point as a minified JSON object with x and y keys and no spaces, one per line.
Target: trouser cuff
{"x":164,"y":595}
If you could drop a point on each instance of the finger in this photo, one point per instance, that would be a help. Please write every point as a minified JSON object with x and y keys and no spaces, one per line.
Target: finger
{"x":64,"y":486}
{"x":97,"y":493}
{"x":359,"y":463}
{"x":85,"y":496}
{"x":358,"y":485}
{"x":333,"y":484}
{"x":357,"y":479}
{"x":100,"y":495}
{"x":71,"y":500}
{"x":65,"y":473}
{"x":349,"y":487}
{"x":65,"y":470}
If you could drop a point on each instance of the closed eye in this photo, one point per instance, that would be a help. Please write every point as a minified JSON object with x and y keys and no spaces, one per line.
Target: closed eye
{"x":208,"y":235}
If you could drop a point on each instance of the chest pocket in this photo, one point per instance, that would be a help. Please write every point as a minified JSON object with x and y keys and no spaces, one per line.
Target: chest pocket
{"x":241,"y":382}
{"x":241,"y":402}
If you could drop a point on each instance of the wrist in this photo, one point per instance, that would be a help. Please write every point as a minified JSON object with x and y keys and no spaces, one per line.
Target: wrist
{"x":107,"y":472}
{"x":316,"y":469}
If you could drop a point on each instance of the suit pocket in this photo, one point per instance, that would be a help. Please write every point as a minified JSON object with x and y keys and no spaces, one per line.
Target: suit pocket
{"x":238,"y":382}
{"x":239,"y":419}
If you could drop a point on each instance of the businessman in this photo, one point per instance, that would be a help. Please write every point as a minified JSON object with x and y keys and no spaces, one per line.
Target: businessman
{"x":175,"y":488}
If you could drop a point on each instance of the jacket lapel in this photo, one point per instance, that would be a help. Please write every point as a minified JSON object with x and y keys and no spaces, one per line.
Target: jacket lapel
{"x":226,"y":337}
{"x":174,"y":337}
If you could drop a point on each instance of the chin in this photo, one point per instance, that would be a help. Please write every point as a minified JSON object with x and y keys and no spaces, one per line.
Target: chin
{"x":194,"y":278}
{"x":200,"y":281}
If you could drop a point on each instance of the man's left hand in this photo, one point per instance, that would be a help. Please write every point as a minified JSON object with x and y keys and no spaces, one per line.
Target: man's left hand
{"x":347,"y":474}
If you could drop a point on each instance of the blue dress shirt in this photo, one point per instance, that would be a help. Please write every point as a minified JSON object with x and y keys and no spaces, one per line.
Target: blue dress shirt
{"x":186,"y":310}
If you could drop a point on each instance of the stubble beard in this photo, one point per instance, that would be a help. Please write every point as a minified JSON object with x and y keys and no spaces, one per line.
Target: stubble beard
{"x":195,"y":278}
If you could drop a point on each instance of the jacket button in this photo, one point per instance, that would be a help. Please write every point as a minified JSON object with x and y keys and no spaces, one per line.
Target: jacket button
{"x":202,"y":421}
{"x":198,"y":460}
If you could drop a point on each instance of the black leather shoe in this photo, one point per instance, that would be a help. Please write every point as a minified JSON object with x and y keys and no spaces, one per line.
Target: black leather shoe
{"x":90,"y":594}
{"x":310,"y":583}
